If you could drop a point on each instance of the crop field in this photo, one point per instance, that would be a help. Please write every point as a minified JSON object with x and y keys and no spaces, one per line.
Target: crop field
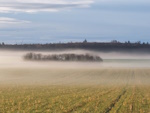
{"x":114,"y":90}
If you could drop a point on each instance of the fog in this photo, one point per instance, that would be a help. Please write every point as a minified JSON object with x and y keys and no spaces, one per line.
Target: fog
{"x":117,"y":68}
{"x":14,"y":59}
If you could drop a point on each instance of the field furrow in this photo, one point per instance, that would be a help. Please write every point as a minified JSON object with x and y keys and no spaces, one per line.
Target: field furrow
{"x":75,"y":91}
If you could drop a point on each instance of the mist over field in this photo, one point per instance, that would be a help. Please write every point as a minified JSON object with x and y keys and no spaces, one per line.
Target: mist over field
{"x":111,"y":59}
{"x":119,"y":84}
{"x":74,"y":56}
{"x":116,"y":68}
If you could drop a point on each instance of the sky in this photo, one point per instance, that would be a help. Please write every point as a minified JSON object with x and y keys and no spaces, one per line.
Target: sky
{"x":49,"y":21}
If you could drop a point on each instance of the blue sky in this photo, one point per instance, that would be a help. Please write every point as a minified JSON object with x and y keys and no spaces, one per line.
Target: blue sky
{"x":46,"y":21}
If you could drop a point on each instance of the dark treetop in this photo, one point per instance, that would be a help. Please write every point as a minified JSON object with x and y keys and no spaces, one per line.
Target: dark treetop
{"x":62,"y":57}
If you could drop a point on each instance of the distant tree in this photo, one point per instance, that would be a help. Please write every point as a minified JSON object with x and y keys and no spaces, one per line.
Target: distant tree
{"x":114,"y":41}
{"x":85,"y":41}
{"x":3,"y":43}
{"x":138,"y":42}
{"x":128,"y":42}
{"x":147,"y":43}
{"x":62,"y":57}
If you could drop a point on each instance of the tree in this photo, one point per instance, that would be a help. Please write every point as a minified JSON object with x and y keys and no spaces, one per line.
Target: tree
{"x":3,"y":43}
{"x":85,"y":41}
{"x":114,"y":41}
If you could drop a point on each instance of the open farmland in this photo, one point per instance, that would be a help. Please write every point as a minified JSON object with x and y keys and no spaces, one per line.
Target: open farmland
{"x":75,"y":90}
{"x":114,"y":86}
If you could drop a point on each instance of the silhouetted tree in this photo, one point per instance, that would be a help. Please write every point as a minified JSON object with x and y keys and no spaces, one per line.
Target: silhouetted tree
{"x":3,"y":43}
{"x":85,"y":41}
{"x":62,"y":57}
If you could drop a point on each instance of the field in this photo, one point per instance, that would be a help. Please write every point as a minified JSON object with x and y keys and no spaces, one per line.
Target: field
{"x":114,"y":86}
{"x":114,"y":90}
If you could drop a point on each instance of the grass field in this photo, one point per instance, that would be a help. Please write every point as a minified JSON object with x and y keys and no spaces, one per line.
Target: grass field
{"x":114,"y":90}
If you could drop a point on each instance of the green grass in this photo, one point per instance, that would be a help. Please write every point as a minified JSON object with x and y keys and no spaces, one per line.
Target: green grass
{"x":102,"y":91}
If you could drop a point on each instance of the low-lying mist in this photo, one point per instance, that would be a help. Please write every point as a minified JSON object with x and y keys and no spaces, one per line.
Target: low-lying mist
{"x":14,"y":59}
{"x":79,"y":77}
{"x":116,"y":68}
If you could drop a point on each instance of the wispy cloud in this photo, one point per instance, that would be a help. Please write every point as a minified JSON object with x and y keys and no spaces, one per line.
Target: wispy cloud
{"x":5,"y":20}
{"x":41,"y":5}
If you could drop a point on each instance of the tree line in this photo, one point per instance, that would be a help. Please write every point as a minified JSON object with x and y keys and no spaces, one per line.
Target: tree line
{"x":62,"y":57}
{"x":102,"y":46}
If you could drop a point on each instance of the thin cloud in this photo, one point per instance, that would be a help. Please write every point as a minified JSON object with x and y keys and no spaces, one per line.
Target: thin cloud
{"x":41,"y":5}
{"x":5,"y":20}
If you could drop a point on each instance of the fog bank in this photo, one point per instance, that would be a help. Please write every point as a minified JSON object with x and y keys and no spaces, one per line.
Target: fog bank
{"x":116,"y":69}
{"x":14,"y":59}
